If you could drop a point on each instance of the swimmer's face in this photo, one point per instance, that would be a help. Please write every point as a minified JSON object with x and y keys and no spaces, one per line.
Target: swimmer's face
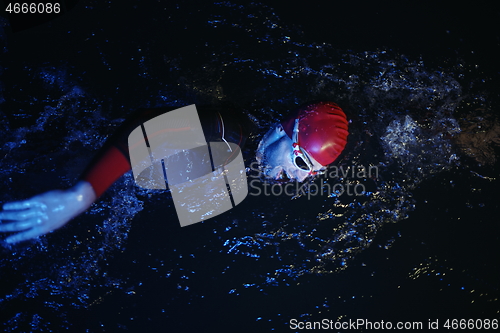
{"x":275,"y":156}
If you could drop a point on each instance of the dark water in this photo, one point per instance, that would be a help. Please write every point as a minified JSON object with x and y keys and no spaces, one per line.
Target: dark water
{"x":421,"y":243}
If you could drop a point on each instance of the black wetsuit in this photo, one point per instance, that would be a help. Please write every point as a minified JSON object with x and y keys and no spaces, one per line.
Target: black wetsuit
{"x":113,"y":160}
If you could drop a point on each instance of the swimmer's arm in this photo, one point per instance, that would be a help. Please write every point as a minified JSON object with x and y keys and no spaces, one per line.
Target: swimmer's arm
{"x":46,"y":212}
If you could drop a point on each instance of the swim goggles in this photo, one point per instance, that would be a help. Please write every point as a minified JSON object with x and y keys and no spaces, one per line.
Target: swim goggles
{"x":299,"y":157}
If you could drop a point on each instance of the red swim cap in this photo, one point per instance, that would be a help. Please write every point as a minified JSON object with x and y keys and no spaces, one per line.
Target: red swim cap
{"x":322,"y":130}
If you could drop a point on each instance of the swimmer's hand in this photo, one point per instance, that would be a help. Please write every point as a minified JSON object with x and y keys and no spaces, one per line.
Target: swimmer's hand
{"x":45,"y":212}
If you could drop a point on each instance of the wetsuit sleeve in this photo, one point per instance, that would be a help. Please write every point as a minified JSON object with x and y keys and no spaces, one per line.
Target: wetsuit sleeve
{"x":101,"y":174}
{"x":113,"y":159}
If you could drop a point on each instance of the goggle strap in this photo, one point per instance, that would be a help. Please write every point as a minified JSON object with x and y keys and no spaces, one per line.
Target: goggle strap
{"x":296,"y":148}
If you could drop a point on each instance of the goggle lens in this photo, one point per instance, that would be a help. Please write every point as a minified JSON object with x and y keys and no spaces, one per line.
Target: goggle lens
{"x":301,"y":164}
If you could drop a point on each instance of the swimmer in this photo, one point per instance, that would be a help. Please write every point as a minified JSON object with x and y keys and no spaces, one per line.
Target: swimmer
{"x":301,"y":146}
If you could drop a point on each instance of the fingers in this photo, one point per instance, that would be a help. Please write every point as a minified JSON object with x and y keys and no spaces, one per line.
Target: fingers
{"x":20,"y":215}
{"x":19,"y":205}
{"x":32,"y":233}
{"x":21,"y":225}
